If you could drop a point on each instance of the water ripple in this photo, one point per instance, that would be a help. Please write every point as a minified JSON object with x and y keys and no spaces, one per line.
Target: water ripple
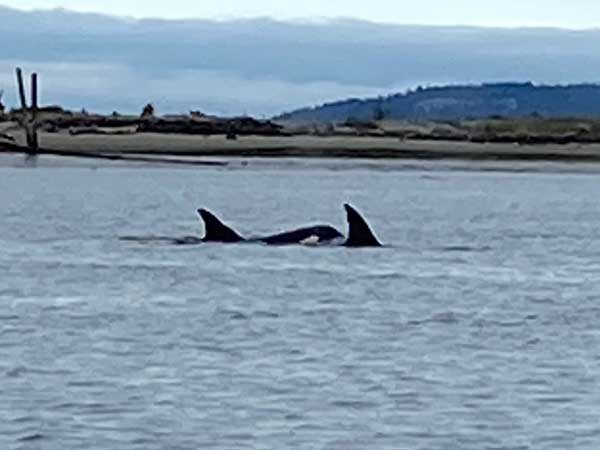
{"x":476,"y":326}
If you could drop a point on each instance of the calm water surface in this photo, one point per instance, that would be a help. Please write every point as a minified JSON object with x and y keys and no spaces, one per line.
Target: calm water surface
{"x":476,"y":328}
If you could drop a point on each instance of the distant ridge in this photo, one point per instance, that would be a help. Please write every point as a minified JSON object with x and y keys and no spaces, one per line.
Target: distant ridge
{"x":511,"y":100}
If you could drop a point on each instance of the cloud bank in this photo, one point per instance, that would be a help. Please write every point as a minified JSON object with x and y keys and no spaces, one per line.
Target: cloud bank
{"x":264,"y":67}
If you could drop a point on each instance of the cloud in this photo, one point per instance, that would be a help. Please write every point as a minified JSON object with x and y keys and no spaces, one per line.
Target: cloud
{"x":265,"y":67}
{"x":109,"y":87}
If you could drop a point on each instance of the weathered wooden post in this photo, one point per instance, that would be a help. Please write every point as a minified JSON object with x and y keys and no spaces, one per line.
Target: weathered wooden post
{"x":21,"y":90}
{"x":29,"y":116}
{"x":32,"y":138}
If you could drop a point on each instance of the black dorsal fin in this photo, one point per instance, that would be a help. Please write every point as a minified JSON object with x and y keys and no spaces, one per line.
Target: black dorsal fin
{"x":359,"y":233}
{"x":217,"y":231}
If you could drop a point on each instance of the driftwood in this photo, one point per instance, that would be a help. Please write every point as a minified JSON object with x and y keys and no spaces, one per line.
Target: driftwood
{"x":100,"y":131}
{"x":92,"y":121}
{"x":7,"y":137}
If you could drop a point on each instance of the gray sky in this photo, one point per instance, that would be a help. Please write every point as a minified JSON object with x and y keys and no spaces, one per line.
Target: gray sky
{"x":511,"y":13}
{"x":265,"y":67}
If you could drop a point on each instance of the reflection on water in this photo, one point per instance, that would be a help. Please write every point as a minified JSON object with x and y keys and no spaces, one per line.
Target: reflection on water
{"x":476,"y":327}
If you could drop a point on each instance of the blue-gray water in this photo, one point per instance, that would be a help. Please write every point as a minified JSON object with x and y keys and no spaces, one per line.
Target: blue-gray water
{"x":476,"y":328}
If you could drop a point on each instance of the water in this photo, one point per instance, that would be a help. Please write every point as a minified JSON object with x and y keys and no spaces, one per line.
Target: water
{"x":476,"y":328}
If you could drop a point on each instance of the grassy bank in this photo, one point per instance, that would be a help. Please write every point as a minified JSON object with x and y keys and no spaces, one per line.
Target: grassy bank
{"x":527,"y":131}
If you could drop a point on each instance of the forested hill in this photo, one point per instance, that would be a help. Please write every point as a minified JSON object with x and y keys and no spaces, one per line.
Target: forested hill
{"x":463,"y":102}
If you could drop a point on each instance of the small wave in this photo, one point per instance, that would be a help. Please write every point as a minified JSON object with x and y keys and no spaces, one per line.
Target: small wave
{"x":530,"y":382}
{"x":538,"y":236}
{"x":101,"y":409}
{"x":24,"y":419}
{"x":214,"y":349}
{"x":466,"y":249}
{"x":64,"y":302}
{"x":100,"y":263}
{"x":165,"y":240}
{"x":540,"y":300}
{"x":265,"y":315}
{"x":532,"y":342}
{"x":482,"y":323}
{"x":9,"y":292}
{"x":240,"y":437}
{"x":558,"y":400}
{"x":448,"y":318}
{"x":88,"y":383}
{"x":9,"y":318}
{"x":354,"y":404}
{"x":19,"y":371}
{"x":16,"y":372}
{"x":232,"y":314}
{"x":31,"y":437}
{"x":332,"y":302}
{"x":67,"y":406}
{"x":405,"y":398}
{"x":386,"y":276}
{"x":238,"y":316}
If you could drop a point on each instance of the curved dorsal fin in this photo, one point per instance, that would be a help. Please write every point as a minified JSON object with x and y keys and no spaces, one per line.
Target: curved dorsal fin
{"x":215,"y":230}
{"x":359,"y":233}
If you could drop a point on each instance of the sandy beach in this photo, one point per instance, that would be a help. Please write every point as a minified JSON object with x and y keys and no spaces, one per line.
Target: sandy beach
{"x":155,"y":144}
{"x":128,"y":138}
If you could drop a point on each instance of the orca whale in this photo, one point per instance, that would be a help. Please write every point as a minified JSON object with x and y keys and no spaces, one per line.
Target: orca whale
{"x":359,"y":232}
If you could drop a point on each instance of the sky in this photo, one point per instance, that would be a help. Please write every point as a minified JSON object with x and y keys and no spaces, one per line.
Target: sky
{"x":574,"y":14}
{"x":278,"y":67}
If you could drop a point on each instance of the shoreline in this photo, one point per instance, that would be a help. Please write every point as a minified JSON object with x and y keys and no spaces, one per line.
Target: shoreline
{"x":146,"y":152}
{"x":427,"y":168}
{"x":180,"y":148}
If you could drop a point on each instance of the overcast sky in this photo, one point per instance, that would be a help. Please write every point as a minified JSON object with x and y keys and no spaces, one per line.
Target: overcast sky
{"x":511,"y":13}
{"x":263,"y":67}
